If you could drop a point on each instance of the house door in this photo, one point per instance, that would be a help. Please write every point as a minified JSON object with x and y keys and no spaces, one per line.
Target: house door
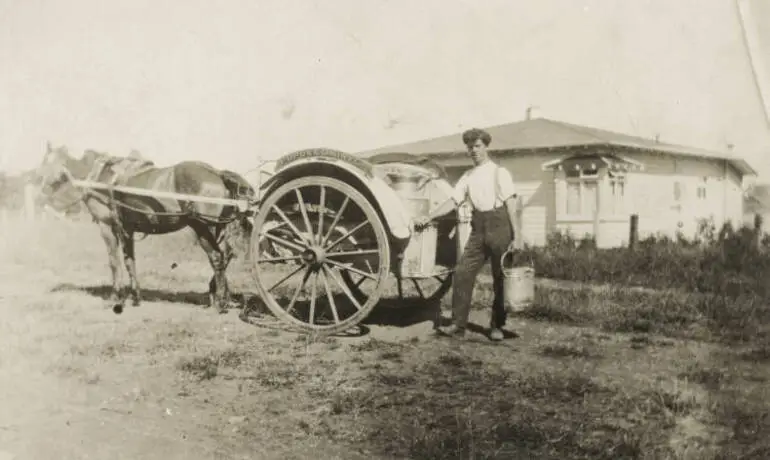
{"x":679,"y":209}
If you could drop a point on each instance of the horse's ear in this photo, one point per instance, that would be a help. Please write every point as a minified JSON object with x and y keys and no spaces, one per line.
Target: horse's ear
{"x":89,"y":156}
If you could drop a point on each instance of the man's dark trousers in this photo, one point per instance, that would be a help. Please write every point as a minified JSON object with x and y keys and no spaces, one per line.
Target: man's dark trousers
{"x":491,"y":234}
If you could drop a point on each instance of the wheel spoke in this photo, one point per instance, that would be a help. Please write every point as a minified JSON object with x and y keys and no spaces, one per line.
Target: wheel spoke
{"x":338,"y":240}
{"x":343,"y":287}
{"x":313,"y":294}
{"x":353,"y":253}
{"x":278,"y":259}
{"x":351,"y":269}
{"x":283,"y":280}
{"x":294,"y":298}
{"x":288,"y":222}
{"x":360,"y":282}
{"x":321,"y":212}
{"x":335,"y":221}
{"x":330,"y":297}
{"x":286,"y":243}
{"x":276,"y":225}
{"x":303,"y":210}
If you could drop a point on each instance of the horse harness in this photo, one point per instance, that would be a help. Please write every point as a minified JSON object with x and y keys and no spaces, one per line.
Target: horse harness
{"x":119,"y":168}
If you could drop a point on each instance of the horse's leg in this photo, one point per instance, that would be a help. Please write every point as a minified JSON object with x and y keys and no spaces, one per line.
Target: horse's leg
{"x":112,"y":242}
{"x":228,"y":256}
{"x":127,"y":241}
{"x":224,"y":235}
{"x":208,"y":242}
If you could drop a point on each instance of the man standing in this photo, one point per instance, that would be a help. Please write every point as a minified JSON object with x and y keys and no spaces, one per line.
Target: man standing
{"x":491,"y":193}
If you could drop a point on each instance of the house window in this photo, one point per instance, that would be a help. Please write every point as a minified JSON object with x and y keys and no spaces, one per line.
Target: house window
{"x":582,"y":192}
{"x":617,"y":198}
{"x":701,"y":193}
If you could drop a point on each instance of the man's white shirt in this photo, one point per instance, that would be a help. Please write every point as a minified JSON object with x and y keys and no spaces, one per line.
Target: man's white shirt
{"x":487,"y":186}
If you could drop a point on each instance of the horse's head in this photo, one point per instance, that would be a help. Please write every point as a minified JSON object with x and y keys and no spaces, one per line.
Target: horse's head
{"x":53,"y":171}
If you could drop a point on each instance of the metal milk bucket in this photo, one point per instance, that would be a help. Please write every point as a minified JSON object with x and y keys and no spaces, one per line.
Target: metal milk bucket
{"x":518,"y":284}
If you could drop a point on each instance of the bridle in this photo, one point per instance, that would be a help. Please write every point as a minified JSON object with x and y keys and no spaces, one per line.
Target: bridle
{"x":52,"y":183}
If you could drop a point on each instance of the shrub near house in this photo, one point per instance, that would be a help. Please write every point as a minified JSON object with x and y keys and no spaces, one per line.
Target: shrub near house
{"x":731,"y":262}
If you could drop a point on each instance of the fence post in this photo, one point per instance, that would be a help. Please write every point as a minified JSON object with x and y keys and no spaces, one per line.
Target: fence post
{"x":633,"y":235}
{"x":758,"y":230}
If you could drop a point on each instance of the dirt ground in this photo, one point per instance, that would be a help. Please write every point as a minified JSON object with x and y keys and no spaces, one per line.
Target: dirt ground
{"x":171,"y":380}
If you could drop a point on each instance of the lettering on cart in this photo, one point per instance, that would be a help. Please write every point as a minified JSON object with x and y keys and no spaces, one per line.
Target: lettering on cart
{"x":325,"y":155}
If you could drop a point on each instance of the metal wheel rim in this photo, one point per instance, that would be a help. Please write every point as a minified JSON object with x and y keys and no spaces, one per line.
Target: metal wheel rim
{"x":326,"y":270}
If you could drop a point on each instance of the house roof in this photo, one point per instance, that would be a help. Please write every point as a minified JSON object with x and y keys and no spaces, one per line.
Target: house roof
{"x":544,"y":134}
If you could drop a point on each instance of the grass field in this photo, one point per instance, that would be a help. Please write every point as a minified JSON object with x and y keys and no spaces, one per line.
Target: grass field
{"x":593,"y":372}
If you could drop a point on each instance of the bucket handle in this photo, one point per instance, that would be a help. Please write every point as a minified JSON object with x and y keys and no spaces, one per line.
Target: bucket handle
{"x":509,"y":252}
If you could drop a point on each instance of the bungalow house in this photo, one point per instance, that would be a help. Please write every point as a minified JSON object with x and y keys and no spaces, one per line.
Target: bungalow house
{"x":590,"y":181}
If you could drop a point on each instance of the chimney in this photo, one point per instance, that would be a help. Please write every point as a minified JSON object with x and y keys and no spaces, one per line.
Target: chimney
{"x":528,"y":114}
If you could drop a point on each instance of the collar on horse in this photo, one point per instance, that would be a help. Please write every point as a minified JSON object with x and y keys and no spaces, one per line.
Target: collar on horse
{"x":121,"y":170}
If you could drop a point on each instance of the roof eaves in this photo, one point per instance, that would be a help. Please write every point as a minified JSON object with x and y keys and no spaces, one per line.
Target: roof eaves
{"x":739,"y":163}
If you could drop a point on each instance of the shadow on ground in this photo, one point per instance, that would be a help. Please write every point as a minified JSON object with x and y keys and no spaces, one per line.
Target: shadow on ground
{"x":148,"y":295}
{"x":389,"y":313}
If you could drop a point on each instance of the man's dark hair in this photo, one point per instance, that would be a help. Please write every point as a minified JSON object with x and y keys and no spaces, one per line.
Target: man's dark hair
{"x":470,"y":136}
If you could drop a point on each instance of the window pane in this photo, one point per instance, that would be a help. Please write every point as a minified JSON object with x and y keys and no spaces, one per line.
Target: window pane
{"x":573,"y":198}
{"x":617,"y":196}
{"x":589,"y":198}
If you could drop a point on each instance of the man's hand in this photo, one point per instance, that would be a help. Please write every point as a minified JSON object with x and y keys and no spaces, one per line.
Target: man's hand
{"x":512,"y":245}
{"x":421,"y":222}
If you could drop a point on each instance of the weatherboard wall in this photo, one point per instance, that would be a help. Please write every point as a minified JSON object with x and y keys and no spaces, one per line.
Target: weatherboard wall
{"x":665,"y":195}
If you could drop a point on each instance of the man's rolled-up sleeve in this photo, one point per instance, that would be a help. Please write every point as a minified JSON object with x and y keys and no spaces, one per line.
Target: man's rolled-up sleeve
{"x":459,"y":192}
{"x":507,"y":188}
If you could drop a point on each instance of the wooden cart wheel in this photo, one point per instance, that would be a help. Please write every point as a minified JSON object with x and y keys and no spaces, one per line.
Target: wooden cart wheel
{"x":330,"y":231}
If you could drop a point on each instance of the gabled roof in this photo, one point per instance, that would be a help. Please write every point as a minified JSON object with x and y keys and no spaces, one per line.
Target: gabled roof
{"x":544,"y":134}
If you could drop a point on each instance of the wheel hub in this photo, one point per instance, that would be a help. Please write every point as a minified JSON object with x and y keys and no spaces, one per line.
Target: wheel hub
{"x":314,"y":257}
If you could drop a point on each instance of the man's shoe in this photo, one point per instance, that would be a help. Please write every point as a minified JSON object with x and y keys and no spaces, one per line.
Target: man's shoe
{"x":496,"y":334}
{"x":452,"y":331}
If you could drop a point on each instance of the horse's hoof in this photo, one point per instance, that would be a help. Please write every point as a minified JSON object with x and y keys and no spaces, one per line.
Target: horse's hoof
{"x":136,"y":302}
{"x":117,"y":308}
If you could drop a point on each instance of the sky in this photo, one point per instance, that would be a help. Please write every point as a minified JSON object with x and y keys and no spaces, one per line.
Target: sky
{"x":236,"y":82}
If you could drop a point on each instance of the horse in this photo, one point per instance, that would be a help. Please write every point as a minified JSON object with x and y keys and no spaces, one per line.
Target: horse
{"x":121,"y":215}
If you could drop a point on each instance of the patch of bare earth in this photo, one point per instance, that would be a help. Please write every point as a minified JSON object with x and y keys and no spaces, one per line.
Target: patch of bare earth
{"x":172,"y":380}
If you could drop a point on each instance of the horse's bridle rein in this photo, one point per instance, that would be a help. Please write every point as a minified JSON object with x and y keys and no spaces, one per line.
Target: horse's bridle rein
{"x":107,"y":197}
{"x":65,"y":176}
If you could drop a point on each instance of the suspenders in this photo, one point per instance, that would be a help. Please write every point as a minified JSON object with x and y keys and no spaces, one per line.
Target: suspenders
{"x":496,"y":189}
